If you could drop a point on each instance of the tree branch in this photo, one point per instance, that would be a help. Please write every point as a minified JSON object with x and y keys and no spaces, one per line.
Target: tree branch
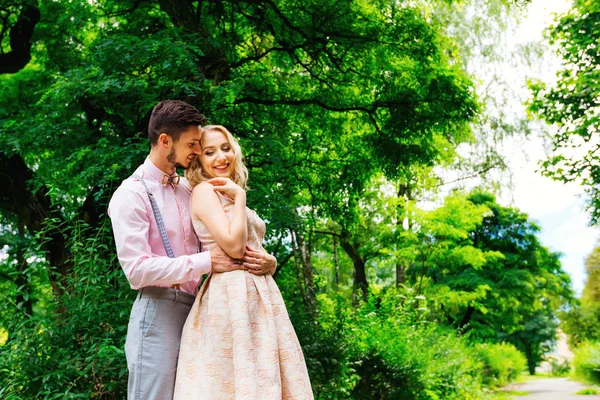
{"x":329,"y":233}
{"x":21,"y":35}
{"x":268,"y":102}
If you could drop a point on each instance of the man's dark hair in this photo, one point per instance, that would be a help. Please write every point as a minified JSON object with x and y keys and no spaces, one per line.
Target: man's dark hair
{"x":173,"y":117}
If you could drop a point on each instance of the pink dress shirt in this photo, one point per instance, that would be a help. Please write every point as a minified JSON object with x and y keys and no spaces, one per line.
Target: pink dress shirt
{"x":139,"y":246}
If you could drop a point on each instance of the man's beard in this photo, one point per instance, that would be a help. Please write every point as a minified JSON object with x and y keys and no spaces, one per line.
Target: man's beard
{"x":172,"y":159}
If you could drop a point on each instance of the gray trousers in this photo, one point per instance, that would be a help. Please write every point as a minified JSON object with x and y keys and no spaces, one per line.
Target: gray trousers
{"x":152,"y":345}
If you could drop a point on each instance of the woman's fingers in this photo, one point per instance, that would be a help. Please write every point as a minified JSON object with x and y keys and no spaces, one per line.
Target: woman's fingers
{"x":218,"y":181}
{"x":256,"y":261}
{"x":253,"y":253}
{"x":251,"y":260}
{"x":256,"y":256}
{"x":257,"y":271}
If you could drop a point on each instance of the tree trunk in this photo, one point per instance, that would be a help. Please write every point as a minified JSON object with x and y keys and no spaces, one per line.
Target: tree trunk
{"x":297,"y":258}
{"x":400,"y":273}
{"x":467,"y":317}
{"x":304,"y":269}
{"x":21,"y":39}
{"x":530,"y":359}
{"x":30,"y":208}
{"x":336,"y":281}
{"x":360,"y":287}
{"x":307,"y":272}
{"x":213,"y":63}
{"x":400,"y":216}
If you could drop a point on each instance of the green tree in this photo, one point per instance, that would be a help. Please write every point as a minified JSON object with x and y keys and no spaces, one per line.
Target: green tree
{"x":582,"y":321}
{"x":591,"y":290}
{"x":322,"y":94}
{"x":491,"y":278}
{"x":571,"y":104}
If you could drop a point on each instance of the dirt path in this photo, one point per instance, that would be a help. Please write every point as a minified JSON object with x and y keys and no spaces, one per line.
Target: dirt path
{"x":552,"y":389}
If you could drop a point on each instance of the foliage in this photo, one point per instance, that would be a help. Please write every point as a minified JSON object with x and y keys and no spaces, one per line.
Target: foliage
{"x":508,"y":394}
{"x":397,"y":355}
{"x":572,"y":102}
{"x":77,"y":352}
{"x":345,"y":111}
{"x":487,"y":275}
{"x":537,"y":336}
{"x":559,"y":367}
{"x":582,"y":321}
{"x":503,"y":363}
{"x":587,"y":391}
{"x":586,"y":360}
{"x":591,"y":290}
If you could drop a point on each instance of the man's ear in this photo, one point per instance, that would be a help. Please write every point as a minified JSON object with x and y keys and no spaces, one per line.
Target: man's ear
{"x":164,"y":140}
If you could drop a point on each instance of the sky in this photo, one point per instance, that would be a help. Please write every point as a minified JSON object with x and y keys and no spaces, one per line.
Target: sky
{"x":558,"y":208}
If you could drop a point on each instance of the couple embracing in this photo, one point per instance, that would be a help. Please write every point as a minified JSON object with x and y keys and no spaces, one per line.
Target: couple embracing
{"x":232,"y":339}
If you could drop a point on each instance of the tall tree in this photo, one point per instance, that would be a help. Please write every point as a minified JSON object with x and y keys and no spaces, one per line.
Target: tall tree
{"x":322,"y":94}
{"x":581,"y":322}
{"x":572,"y":102}
{"x":484,"y":266}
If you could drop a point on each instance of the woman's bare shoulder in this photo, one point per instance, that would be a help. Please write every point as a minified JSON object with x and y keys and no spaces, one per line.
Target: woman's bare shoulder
{"x":203,"y":189}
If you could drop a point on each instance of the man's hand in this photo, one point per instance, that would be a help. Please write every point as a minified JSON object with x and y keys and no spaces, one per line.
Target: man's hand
{"x":259,"y":262}
{"x":221,"y":262}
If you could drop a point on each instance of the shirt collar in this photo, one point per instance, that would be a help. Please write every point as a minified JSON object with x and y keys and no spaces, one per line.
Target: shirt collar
{"x":154,"y":171}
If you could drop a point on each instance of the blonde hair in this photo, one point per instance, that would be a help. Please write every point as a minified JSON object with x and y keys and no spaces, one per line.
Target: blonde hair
{"x":195,"y":174}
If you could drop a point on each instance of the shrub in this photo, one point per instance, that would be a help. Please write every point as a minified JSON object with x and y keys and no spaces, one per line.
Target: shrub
{"x":587,"y":391}
{"x":586,"y":360}
{"x":502,"y":363}
{"x":73,"y":346}
{"x":559,"y":367}
{"x":396,"y":355}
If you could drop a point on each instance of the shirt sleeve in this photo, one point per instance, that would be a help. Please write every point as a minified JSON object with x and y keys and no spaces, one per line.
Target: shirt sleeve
{"x":131,"y":226}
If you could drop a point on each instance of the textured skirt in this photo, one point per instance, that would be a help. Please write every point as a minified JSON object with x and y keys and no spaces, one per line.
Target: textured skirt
{"x":238,"y":343}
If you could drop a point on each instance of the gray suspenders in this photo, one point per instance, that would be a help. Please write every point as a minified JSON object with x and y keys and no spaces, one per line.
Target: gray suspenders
{"x":159,"y":220}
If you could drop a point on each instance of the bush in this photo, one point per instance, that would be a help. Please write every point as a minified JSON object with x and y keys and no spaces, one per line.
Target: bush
{"x":503,"y":363}
{"x":559,"y":368}
{"x":587,"y":362}
{"x":72,"y":347}
{"x":587,"y":391}
{"x":397,"y":355}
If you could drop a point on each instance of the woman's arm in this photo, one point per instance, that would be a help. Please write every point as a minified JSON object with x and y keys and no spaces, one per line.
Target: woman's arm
{"x":232,"y":235}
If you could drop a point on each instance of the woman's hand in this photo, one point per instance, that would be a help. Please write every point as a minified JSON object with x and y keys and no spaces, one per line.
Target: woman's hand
{"x":228,"y":187}
{"x":259,"y":262}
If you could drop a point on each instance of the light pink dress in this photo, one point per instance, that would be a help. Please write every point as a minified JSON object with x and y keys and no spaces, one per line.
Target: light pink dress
{"x":238,"y":341}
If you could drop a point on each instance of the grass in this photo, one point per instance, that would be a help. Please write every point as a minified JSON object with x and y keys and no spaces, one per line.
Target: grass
{"x":587,"y":391}
{"x":507,"y":394}
{"x":526,"y":377}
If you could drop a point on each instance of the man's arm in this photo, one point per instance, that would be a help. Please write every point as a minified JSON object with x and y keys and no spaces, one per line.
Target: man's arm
{"x":131,"y":225}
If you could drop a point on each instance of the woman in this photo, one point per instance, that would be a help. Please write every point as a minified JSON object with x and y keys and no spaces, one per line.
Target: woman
{"x":238,"y":341}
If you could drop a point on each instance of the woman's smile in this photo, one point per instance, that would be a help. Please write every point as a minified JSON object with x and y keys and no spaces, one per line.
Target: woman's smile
{"x":217,"y":154}
{"x":222,"y":169}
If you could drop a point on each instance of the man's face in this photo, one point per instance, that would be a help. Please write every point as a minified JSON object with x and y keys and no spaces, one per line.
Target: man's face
{"x":186,"y":148}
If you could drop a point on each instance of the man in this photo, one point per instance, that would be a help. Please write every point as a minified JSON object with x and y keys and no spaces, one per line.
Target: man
{"x":167,"y":284}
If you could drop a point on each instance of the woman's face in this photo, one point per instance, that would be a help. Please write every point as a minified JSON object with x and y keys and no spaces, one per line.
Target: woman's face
{"x":217,"y":155}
